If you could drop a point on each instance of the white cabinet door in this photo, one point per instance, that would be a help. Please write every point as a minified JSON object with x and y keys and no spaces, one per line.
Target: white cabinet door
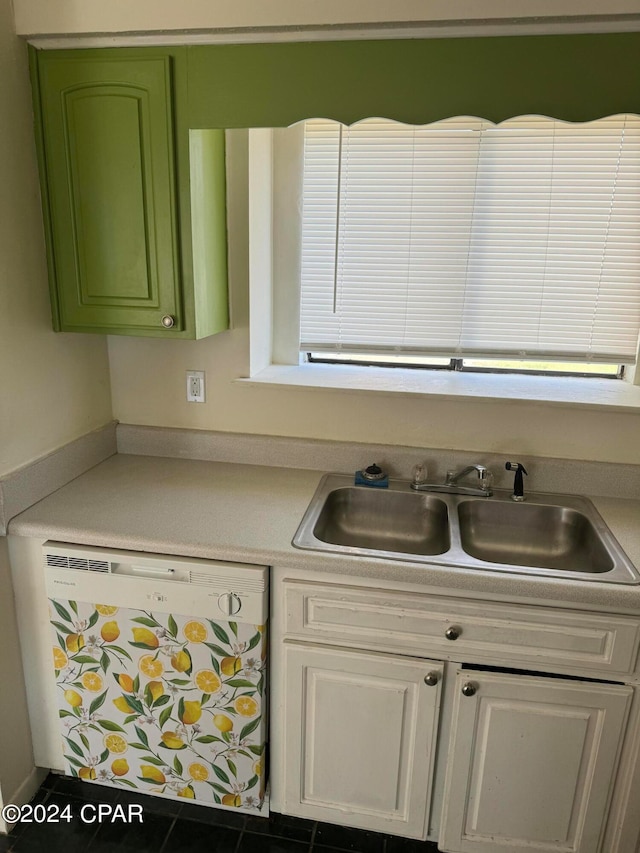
{"x":531,"y":763}
{"x":360,"y":734}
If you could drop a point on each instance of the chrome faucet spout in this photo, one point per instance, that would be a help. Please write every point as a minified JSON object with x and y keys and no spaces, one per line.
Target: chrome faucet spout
{"x":453,"y":478}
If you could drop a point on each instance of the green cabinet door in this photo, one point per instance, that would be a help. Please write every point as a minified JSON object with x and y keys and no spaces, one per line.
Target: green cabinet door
{"x":115,"y":166}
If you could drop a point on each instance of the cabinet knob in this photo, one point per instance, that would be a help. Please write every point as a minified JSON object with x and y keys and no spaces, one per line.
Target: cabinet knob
{"x":432,"y":678}
{"x":453,"y":632}
{"x":469,"y":689}
{"x":168,"y":321}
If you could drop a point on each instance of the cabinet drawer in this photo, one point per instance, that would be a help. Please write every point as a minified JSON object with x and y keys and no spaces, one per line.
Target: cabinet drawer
{"x":461,"y":629}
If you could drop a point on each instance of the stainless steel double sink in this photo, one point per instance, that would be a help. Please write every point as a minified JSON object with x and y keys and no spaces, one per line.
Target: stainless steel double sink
{"x":560,"y":536}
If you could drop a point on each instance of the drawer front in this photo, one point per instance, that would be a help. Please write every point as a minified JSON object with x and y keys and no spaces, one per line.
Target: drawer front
{"x":463,"y":630}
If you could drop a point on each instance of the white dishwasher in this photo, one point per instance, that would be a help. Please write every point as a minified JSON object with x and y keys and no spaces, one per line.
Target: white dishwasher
{"x":160,"y":672}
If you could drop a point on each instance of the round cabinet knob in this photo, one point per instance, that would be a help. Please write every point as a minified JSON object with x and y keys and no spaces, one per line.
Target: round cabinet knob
{"x":469,"y":689}
{"x":229,"y":603}
{"x":453,"y":632}
{"x":432,"y":678}
{"x":168,"y":321}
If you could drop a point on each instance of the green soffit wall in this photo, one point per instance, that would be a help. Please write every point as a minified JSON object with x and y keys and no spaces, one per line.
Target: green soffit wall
{"x":572,"y":77}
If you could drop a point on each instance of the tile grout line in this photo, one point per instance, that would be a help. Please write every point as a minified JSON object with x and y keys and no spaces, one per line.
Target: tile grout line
{"x":169,"y":831}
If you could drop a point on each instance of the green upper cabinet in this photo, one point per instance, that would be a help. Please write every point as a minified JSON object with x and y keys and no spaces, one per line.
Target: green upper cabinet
{"x":116,"y":162}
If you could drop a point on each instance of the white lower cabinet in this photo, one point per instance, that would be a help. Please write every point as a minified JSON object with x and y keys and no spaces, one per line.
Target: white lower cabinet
{"x":504,"y":759}
{"x":360,"y":735}
{"x":531,"y":763}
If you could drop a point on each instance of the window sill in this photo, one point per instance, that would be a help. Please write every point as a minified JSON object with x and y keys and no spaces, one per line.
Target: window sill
{"x":603,"y":394}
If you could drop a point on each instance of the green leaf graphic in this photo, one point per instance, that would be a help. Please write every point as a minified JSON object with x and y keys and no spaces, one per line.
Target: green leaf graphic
{"x":104,"y":756}
{"x":74,"y":747}
{"x":172,"y":627}
{"x":250,"y":727}
{"x":252,"y":782}
{"x":98,"y":702}
{"x":220,"y":633}
{"x":221,"y":774}
{"x":151,"y":759}
{"x":217,"y":650}
{"x":112,"y":727}
{"x":164,"y":716}
{"x":144,"y":620}
{"x":142,"y":735}
{"x":253,"y":642}
{"x":62,"y":628}
{"x":240,"y":682}
{"x":85,"y":740}
{"x":232,"y":767}
{"x":74,"y":607}
{"x":162,"y":700}
{"x":93,"y":619}
{"x":234,"y":627}
{"x":177,"y":766}
{"x":64,"y":614}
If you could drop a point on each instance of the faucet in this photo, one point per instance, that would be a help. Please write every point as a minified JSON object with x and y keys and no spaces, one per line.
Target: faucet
{"x":452,"y":482}
{"x":453,"y":478}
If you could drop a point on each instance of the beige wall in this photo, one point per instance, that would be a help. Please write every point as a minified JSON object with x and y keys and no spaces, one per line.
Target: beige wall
{"x":98,"y":16}
{"x":148,"y":387}
{"x":16,"y":757}
{"x":53,"y":387}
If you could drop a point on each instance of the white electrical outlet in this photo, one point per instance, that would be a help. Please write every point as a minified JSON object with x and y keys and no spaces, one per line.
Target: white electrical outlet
{"x":195,"y":386}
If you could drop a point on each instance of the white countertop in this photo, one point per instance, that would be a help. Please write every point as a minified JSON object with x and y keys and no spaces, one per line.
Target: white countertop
{"x":246,"y":513}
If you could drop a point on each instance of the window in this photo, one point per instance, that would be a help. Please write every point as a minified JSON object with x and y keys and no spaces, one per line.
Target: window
{"x":464,"y":241}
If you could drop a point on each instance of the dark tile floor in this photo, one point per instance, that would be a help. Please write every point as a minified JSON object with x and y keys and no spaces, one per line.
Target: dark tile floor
{"x":172,"y":827}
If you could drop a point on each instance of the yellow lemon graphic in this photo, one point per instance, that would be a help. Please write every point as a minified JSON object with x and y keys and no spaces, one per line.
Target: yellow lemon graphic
{"x":156,"y":689}
{"x":260,"y":628}
{"x":222,"y":722}
{"x":122,"y":705}
{"x":145,"y":637}
{"x":230,"y":666}
{"x":198,"y":772}
{"x":195,"y":632}
{"x":120,"y":767}
{"x":207,"y":681}
{"x":73,"y":698}
{"x":106,"y":609}
{"x":92,"y":682}
{"x":181,"y":661}
{"x":110,"y":632}
{"x":172,"y":740}
{"x":115,"y":743}
{"x":188,"y":793}
{"x":150,"y":666}
{"x":232,"y":800}
{"x":126,"y":682}
{"x":192,"y":713}
{"x":257,"y":767}
{"x":60,"y":660}
{"x":151,"y":772}
{"x":87,"y":773}
{"x":246,"y":706}
{"x":74,"y":642}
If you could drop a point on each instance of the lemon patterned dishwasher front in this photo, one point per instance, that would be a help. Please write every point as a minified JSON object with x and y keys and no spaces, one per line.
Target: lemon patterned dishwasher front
{"x":165,"y":696}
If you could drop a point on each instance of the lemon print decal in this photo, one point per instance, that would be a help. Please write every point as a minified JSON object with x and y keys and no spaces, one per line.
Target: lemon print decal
{"x":161,"y":703}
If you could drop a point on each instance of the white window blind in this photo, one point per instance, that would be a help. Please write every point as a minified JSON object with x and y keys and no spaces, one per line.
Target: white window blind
{"x":467,"y":238}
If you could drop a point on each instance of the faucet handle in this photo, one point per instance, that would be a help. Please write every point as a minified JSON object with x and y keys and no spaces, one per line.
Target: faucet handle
{"x":486,"y":480}
{"x":420,"y":474}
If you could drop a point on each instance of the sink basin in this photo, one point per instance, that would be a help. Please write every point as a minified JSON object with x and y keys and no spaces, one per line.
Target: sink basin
{"x":553,"y":536}
{"x":383,"y":520}
{"x":540,"y":536}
